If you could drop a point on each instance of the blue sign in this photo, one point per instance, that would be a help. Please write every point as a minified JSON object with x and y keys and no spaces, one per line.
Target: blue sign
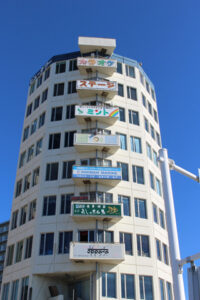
{"x":96,"y":172}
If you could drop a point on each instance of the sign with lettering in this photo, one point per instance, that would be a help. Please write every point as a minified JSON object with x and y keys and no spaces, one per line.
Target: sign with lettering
{"x":112,"y":112}
{"x":96,"y":209}
{"x":96,"y":85}
{"x":96,"y":62}
{"x":96,"y":251}
{"x":90,"y":172}
{"x":99,"y":139}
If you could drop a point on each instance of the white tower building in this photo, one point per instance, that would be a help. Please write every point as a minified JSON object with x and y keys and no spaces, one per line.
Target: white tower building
{"x":88,"y":215}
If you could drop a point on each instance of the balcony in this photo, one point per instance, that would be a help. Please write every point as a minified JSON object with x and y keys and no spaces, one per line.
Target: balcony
{"x":90,"y":88}
{"x":101,"y":45}
{"x":84,"y":142}
{"x":103,"y":114}
{"x":92,"y":174}
{"x":84,"y":211}
{"x":89,"y":65}
{"x":101,"y":252}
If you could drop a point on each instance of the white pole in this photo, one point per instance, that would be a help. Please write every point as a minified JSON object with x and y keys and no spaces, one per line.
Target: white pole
{"x":179,"y":292}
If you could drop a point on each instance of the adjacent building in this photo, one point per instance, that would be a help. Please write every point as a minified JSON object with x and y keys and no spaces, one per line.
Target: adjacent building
{"x":88,"y":214}
{"x":4,"y":227}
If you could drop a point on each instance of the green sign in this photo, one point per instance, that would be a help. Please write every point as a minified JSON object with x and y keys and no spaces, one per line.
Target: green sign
{"x":100,"y":209}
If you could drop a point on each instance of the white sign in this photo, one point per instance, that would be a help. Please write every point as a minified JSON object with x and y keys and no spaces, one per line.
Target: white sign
{"x":97,"y":111}
{"x":96,"y":85}
{"x":96,"y":62}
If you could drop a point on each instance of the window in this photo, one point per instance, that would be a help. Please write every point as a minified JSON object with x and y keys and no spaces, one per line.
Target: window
{"x":10,"y":252}
{"x":14,"y":220}
{"x":46,"y":243}
{"x":23,"y":214}
{"x":162,"y":219}
{"x":165,"y":254}
{"x":67,"y":169}
{"x":127,"y":286}
{"x":155,"y":115}
{"x":152,"y":183}
{"x":30,"y":153}
{"x":144,"y":101}
{"x":136,"y":144}
{"x":44,"y":95}
{"x":73,"y":65}
{"x":28,"y":247}
{"x":69,"y":139}
{"x":133,"y":117}
{"x":70,"y":112}
{"x":119,"y":68}
{"x":54,"y":141}
{"x":124,"y":168}
{"x":152,"y":132}
{"x":162,"y":289}
{"x":27,"y":182}
{"x":150,"y":108}
{"x":158,"y":250}
{"x":147,"y":87}
{"x":169,"y":291}
{"x":130,"y":71}
{"x":158,"y":187}
{"x":143,"y":245}
{"x":32,"y":210}
{"x":105,"y":236}
{"x":71,"y":87}
{"x":131,"y":93}
{"x":122,"y":114}
{"x":149,"y":152}
{"x":39,"y":81}
{"x":153,"y":94}
{"x":146,"y":287}
{"x":22,"y":159}
{"x":52,"y":171}
{"x":5,"y":291}
{"x":24,"y":289}
{"x":120,"y":90}
{"x":26,"y":133}
{"x":109,"y":285}
{"x":141,"y":78}
{"x":146,"y":124}
{"x":86,"y":236}
{"x":155,"y":158}
{"x":56,"y":113}
{"x":126,"y":238}
{"x":41,"y":120}
{"x":58,"y":89}
{"x":29,"y":110}
{"x":65,"y":207}
{"x":155,"y":214}
{"x":32,"y":87}
{"x":123,"y":142}
{"x":35,"y":178}
{"x":158,"y":139}
{"x":14,"y":291}
{"x":18,"y":188}
{"x":38,"y":149}
{"x":60,"y":67}
{"x":64,"y":241}
{"x":47,"y":74}
{"x":138,"y":174}
{"x":140,"y":208}
{"x":126,"y":204}
{"x":49,"y":206}
{"x":19,"y":250}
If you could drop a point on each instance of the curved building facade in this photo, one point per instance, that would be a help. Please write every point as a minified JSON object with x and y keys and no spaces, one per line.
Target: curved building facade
{"x":88,"y":214}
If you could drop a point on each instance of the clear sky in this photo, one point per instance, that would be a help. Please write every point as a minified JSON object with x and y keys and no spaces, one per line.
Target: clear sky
{"x":163,"y":35}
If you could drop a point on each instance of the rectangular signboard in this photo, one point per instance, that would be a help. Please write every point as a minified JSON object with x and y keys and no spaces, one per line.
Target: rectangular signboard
{"x":99,"y":139}
{"x":96,"y":172}
{"x":96,"y":85}
{"x":96,"y":251}
{"x":97,"y":111}
{"x":96,"y":209}
{"x":96,"y":62}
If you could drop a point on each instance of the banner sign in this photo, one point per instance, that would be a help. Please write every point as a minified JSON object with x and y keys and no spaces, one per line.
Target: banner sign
{"x":96,"y":251}
{"x":97,"y":209}
{"x":96,"y":172}
{"x":86,"y":139}
{"x":96,"y":62}
{"x":112,"y":112}
{"x":96,"y":85}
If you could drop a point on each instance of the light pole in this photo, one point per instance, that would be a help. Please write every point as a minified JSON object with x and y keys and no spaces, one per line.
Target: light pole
{"x":167,"y":164}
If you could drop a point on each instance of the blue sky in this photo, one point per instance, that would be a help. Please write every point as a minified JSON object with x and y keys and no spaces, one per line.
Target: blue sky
{"x":163,"y":35}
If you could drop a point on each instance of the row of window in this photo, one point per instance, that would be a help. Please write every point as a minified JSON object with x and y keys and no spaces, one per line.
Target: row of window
{"x":150,"y":129}
{"x":17,"y":287}
{"x":22,"y":250}
{"x":36,"y":103}
{"x":29,"y":180}
{"x":32,"y":151}
{"x":36,"y":124}
{"x":155,"y":183}
{"x":27,"y":213}
{"x":151,"y":110}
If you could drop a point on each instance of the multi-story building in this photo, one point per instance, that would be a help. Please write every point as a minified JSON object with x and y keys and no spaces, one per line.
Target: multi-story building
{"x":4,"y":227}
{"x":88,"y":214}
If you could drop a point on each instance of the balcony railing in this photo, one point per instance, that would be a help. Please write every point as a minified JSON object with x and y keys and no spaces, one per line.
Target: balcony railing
{"x":89,"y":64}
{"x":93,"y":174}
{"x":89,"y":88}
{"x":104,"y":114}
{"x":85,"y":142}
{"x":103,"y":252}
